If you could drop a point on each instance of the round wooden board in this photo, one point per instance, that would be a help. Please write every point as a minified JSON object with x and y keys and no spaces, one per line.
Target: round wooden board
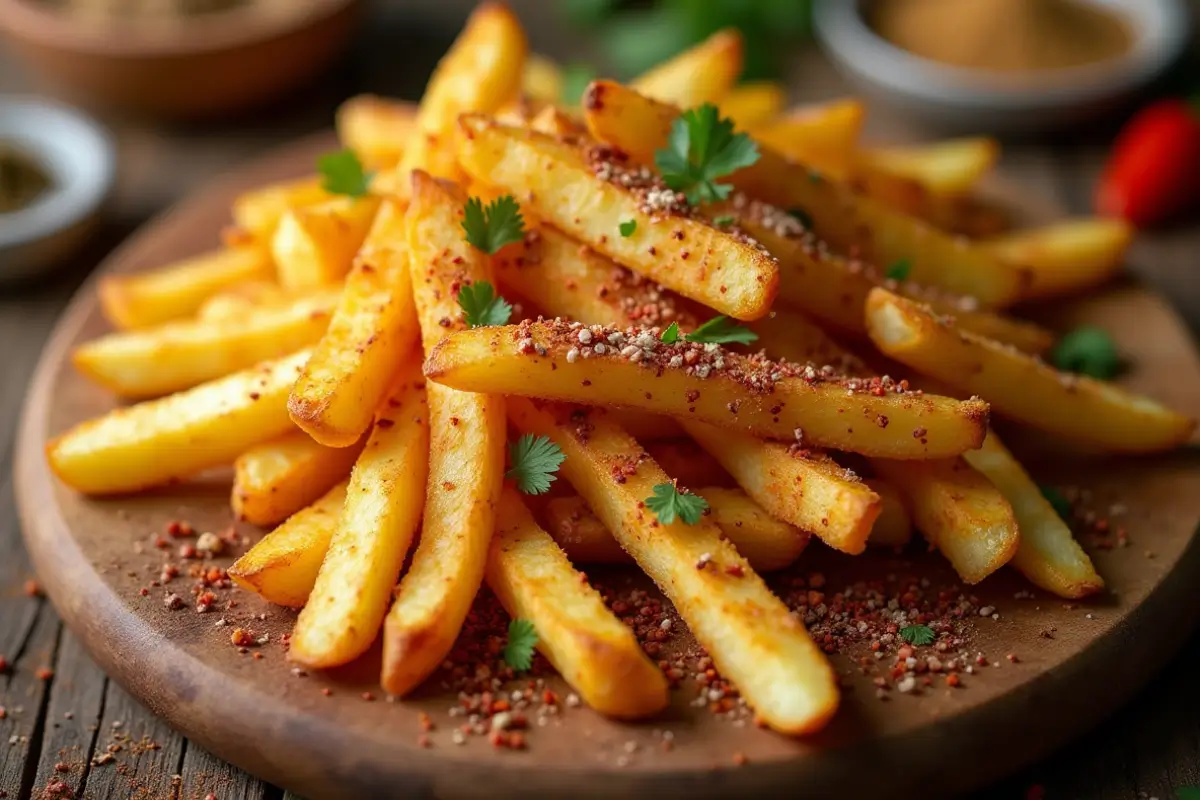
{"x":95,"y":556}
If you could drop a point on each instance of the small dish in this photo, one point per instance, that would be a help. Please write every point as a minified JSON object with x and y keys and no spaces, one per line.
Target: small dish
{"x":80,"y":160}
{"x":975,"y":100}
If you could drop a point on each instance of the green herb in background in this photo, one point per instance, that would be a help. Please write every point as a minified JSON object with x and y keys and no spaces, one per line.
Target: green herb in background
{"x":522,"y":639}
{"x":490,"y":228}
{"x":575,"y":78}
{"x":899,"y":270}
{"x":920,"y":635}
{"x":1087,"y":351}
{"x":701,"y":148}
{"x":482,"y":306}
{"x":669,"y":504}
{"x":1062,"y":506}
{"x":342,"y":173}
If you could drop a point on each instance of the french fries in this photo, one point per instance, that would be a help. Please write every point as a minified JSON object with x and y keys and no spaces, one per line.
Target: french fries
{"x":686,"y":254}
{"x":275,"y":479}
{"x":162,"y":441}
{"x":893,"y":526}
{"x":682,"y":459}
{"x":372,"y":537}
{"x":959,"y":511}
{"x":824,"y":135}
{"x":237,"y":300}
{"x":257,"y":212}
{"x":373,"y":327}
{"x":703,"y":74}
{"x":178,"y":355}
{"x":1066,"y":256}
{"x":765,"y":542}
{"x":752,"y":637}
{"x":948,"y":167}
{"x":376,"y":129}
{"x":741,"y":393}
{"x":595,"y":652}
{"x":1048,"y":554}
{"x":177,"y":290}
{"x":314,"y":246}
{"x":466,"y":461}
{"x":282,"y":566}
{"x":753,"y":104}
{"x":542,"y":79}
{"x":639,"y":126}
{"x":1021,"y":386}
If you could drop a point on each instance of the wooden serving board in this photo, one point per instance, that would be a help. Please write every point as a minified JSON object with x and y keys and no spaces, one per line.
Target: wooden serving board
{"x":1075,"y":662}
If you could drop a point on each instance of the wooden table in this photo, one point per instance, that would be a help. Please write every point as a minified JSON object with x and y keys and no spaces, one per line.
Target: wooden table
{"x":64,"y":720}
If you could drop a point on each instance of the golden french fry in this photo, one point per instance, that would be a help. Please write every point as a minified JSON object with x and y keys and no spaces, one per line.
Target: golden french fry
{"x":1019,"y":385}
{"x":376,"y":128}
{"x":258,"y":211}
{"x":702,"y":74}
{"x":177,"y":290}
{"x":373,"y":327}
{"x":232,"y":303}
{"x":789,"y":336}
{"x":372,"y":537}
{"x":824,"y":135}
{"x":947,"y":167}
{"x":274,"y":480}
{"x":645,"y":427}
{"x":893,"y":526}
{"x":688,"y":255}
{"x":753,"y":104}
{"x":639,"y":126}
{"x":752,"y":637}
{"x":542,"y":79}
{"x":1066,"y":256}
{"x":595,"y":652}
{"x":1048,"y":554}
{"x":959,"y":511}
{"x":466,"y":462}
{"x":282,"y":566}
{"x":179,"y":355}
{"x":681,"y":458}
{"x":314,"y":246}
{"x":165,"y":440}
{"x":765,"y":398}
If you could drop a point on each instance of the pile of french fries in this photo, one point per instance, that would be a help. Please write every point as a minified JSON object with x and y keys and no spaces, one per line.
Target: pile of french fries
{"x":323,"y":352}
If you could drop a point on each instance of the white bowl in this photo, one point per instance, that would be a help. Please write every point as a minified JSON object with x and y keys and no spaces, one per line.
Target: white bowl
{"x":976,"y":100}
{"x":81,"y":161}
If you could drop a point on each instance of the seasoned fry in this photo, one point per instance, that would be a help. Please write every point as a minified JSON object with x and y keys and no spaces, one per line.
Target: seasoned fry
{"x":542,"y":79}
{"x":682,"y":459}
{"x":752,"y":637}
{"x":505,"y":360}
{"x":373,"y":327}
{"x":238,"y":300}
{"x":686,"y":254}
{"x":702,"y":74}
{"x":372,"y":537}
{"x":639,"y":126}
{"x":275,"y":479}
{"x":893,"y":526}
{"x":1019,"y":385}
{"x":789,"y":336}
{"x":376,"y":129}
{"x":177,"y":290}
{"x":595,"y":652}
{"x":959,"y":511}
{"x":314,"y":246}
{"x":647,"y":427}
{"x":808,"y":490}
{"x":753,"y":104}
{"x":762,"y":540}
{"x":179,"y":355}
{"x":1067,"y":256}
{"x":1048,"y":554}
{"x":824,"y":135}
{"x":161,"y":441}
{"x":282,"y":566}
{"x":258,"y":211}
{"x":948,"y":167}
{"x":466,"y":462}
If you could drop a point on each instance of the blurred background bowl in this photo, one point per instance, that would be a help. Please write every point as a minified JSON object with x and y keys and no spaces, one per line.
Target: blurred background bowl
{"x":973,"y":100}
{"x":202,"y":66}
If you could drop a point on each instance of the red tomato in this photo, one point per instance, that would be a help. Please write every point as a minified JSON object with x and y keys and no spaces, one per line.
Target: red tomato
{"x":1154,"y":170}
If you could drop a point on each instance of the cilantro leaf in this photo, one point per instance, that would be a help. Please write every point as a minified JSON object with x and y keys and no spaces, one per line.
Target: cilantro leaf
{"x":1062,"y":506}
{"x":721,"y":330}
{"x":522,"y":638}
{"x":920,"y":635}
{"x":1087,"y":351}
{"x":628,"y":227}
{"x":534,"y":459}
{"x":482,"y":306}
{"x":724,"y":221}
{"x":899,"y":270}
{"x":668,"y":502}
{"x":701,"y":148}
{"x":342,"y":173}
{"x":671,"y":334}
{"x":575,"y":80}
{"x":1187,"y":793}
{"x":489,"y":229}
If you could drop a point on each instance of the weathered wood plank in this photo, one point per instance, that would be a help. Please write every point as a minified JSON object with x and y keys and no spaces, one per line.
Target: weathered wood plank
{"x":205,"y":775}
{"x":26,"y":690}
{"x":72,"y":719}
{"x":147,"y":753}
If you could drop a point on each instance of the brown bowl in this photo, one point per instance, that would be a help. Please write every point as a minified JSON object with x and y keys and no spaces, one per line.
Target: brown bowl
{"x":205,"y":66}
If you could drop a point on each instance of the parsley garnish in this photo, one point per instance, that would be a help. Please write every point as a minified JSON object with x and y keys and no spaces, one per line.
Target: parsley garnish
{"x":671,"y":334}
{"x":703,"y":147}
{"x":628,"y":227}
{"x":1087,"y":351}
{"x":920,"y":635}
{"x":721,"y":330}
{"x":1062,"y":506}
{"x":575,"y":80}
{"x":668,"y":503}
{"x":522,"y":638}
{"x":342,"y":173}
{"x":1187,"y":793}
{"x":534,"y":459}
{"x":482,"y":306}
{"x":489,"y":229}
{"x":723,"y":221}
{"x":899,"y":270}
{"x":802,"y":216}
